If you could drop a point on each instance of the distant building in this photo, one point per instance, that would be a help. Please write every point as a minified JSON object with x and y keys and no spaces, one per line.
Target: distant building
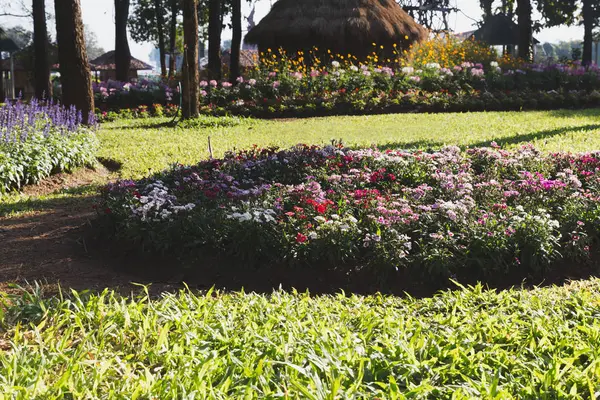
{"x":104,"y":67}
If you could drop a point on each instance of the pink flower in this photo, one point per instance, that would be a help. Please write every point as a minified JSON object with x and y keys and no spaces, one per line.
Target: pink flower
{"x":314,"y":73}
{"x":272,"y":74}
{"x":276,"y":84}
{"x":240,"y":79}
{"x":213,"y":83}
{"x":203,"y":84}
{"x":226,"y":84}
{"x":300,"y":238}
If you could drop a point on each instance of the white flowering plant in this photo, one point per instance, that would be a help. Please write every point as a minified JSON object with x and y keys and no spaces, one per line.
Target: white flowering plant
{"x":446,"y":213}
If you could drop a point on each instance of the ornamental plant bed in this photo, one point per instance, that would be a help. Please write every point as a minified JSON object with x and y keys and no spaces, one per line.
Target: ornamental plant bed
{"x":482,"y":213}
{"x":40,"y":139}
{"x":344,"y":88}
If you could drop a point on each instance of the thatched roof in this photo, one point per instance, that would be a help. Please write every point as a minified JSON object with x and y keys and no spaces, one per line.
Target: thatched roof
{"x":106,"y":62}
{"x":343,"y":26}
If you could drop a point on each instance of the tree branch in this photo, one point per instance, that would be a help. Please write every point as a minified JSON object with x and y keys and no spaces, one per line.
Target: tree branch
{"x":15,"y":15}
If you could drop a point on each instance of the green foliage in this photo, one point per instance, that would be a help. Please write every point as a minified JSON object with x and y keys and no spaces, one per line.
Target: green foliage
{"x":466,"y":344}
{"x":30,"y":161}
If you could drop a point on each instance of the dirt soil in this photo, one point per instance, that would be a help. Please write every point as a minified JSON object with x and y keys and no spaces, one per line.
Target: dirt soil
{"x":51,"y":246}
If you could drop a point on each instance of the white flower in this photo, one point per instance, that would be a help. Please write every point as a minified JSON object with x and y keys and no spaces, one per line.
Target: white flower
{"x":335,"y":64}
{"x":494,"y":64}
{"x":313,"y":235}
{"x":320,"y":219}
{"x":354,"y":68}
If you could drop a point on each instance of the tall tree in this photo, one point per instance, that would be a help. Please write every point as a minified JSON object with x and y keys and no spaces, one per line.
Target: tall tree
{"x":590,"y":13}
{"x":215,"y":27}
{"x":525,"y":29}
{"x":122,"y":52}
{"x":92,"y":47}
{"x":191,"y":77}
{"x":486,"y":6}
{"x":173,"y":38}
{"x":75,"y":74}
{"x":43,"y":88}
{"x":160,"y":24}
{"x":146,"y":23}
{"x":236,"y":40}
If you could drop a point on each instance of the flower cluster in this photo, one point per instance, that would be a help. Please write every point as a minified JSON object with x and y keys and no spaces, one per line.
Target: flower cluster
{"x":115,"y":95}
{"x":445,"y":213}
{"x":37,"y":139}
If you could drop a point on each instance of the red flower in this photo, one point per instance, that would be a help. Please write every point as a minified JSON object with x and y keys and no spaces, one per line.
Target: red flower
{"x":300,"y":238}
{"x":320,"y":208}
{"x":107,"y":210}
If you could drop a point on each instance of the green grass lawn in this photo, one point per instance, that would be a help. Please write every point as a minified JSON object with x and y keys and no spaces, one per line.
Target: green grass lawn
{"x":467,"y":344}
{"x":471,"y":343}
{"x":146,"y":145}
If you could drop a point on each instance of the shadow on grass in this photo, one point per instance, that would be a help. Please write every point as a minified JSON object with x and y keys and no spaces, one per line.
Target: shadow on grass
{"x":431,"y":145}
{"x":67,"y":197}
{"x":540,"y":135}
{"x":142,"y":124}
{"x":586,"y":112}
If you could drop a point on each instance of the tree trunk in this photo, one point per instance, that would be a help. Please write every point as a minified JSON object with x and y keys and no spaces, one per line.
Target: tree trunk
{"x":122,"y":52}
{"x":173,"y":39}
{"x":588,"y":27}
{"x":214,"y":38}
{"x":43,"y":88}
{"x":236,"y":40}
{"x":191,"y":78}
{"x":525,"y":29}
{"x":75,"y":74}
{"x":486,"y":6}
{"x":160,"y":23}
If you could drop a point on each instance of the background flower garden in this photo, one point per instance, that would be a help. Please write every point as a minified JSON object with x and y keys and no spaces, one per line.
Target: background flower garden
{"x":436,"y":76}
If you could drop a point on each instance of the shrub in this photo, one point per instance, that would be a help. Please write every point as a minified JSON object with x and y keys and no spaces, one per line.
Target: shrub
{"x":449,"y":52}
{"x":448,"y":213}
{"x":37,"y":140}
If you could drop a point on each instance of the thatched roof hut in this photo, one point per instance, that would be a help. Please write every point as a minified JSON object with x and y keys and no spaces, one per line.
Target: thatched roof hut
{"x":106,"y":62}
{"x":342,"y":26}
{"x":106,"y":67}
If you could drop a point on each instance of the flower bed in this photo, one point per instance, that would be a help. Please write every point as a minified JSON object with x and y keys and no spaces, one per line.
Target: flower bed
{"x":37,"y":140}
{"x":349,"y":89}
{"x":114,"y":95}
{"x":437,"y":215}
